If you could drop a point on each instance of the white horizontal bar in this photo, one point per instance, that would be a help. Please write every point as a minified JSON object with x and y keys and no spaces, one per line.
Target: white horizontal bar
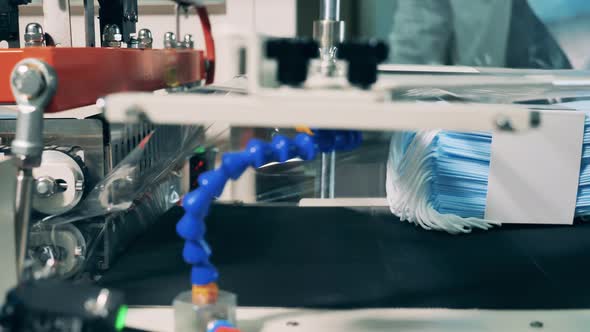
{"x":335,"y":110}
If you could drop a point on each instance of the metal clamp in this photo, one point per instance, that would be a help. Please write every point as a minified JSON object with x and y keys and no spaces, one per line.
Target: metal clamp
{"x":33,"y":83}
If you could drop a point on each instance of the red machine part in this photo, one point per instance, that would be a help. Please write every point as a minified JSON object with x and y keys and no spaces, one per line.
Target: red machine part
{"x":209,"y":42}
{"x":227,"y":329}
{"x":85,"y":74}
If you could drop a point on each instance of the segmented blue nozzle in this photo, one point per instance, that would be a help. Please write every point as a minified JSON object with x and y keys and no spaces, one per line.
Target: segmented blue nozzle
{"x":213,"y":182}
{"x":283,"y":148}
{"x":191,"y":226}
{"x":235,"y":163}
{"x":196,"y":252}
{"x":260,"y":153}
{"x":337,"y":140}
{"x":196,"y":203}
{"x":203,"y":273}
{"x":306,"y":146}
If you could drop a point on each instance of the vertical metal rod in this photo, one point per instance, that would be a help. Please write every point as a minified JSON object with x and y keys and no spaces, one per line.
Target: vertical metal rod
{"x":89,"y":23}
{"x":324,"y":176}
{"x":179,"y":8}
{"x":327,"y":175}
{"x":24,"y":199}
{"x":330,"y":10}
{"x":332,"y":179}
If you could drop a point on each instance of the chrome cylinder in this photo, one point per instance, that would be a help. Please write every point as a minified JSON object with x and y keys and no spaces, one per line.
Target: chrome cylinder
{"x":328,"y":33}
{"x":330,"y":10}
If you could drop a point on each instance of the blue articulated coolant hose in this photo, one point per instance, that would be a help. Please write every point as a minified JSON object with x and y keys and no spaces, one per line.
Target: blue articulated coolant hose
{"x":257,"y":153}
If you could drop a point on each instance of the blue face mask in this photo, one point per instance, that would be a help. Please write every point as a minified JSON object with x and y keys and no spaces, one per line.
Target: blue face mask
{"x":439,"y":179}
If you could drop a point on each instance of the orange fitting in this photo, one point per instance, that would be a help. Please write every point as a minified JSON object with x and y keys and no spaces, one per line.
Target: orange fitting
{"x":205,"y":294}
{"x":304,"y":129}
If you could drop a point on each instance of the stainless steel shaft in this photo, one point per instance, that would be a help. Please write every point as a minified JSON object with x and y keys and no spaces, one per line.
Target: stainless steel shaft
{"x":330,"y":10}
{"x":23,"y":207}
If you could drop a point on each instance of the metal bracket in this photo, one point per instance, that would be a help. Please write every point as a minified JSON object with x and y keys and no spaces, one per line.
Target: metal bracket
{"x":57,"y":22}
{"x":33,"y":83}
{"x":123,"y":13}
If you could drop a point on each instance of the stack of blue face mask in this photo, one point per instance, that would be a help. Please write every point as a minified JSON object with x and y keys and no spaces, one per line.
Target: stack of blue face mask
{"x":455,"y":168}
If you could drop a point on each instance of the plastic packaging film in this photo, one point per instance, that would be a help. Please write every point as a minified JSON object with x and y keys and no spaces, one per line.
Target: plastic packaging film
{"x":131,"y":177}
{"x":145,"y":184}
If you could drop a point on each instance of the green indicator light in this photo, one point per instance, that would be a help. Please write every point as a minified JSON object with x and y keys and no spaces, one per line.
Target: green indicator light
{"x":200,"y":149}
{"x":120,"y":320}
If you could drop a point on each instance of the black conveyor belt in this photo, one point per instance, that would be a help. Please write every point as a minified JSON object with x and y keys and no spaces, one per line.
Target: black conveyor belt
{"x":338,"y":258}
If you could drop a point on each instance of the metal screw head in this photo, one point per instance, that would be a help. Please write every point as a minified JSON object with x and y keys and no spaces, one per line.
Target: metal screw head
{"x":145,"y":39}
{"x":28,"y":81}
{"x":188,"y":41}
{"x":34,"y":35}
{"x":111,"y":36}
{"x":169,"y":40}
{"x":45,"y":186}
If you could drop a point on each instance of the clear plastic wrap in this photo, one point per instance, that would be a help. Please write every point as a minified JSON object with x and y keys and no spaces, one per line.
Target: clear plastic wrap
{"x":158,"y":157}
{"x":144,"y":185}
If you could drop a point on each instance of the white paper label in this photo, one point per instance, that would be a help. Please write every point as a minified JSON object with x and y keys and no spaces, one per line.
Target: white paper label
{"x":534,"y":174}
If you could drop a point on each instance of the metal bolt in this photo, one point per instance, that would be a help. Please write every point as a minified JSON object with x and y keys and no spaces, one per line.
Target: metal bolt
{"x":536,"y":324}
{"x":170,"y":40}
{"x":28,"y":81}
{"x":111,"y":36}
{"x":292,"y":323}
{"x":34,"y":35}
{"x":79,"y":185}
{"x":130,"y":16}
{"x":145,"y":39}
{"x":45,"y":186}
{"x":503,"y":123}
{"x":133,"y":42}
{"x":188,"y":41}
